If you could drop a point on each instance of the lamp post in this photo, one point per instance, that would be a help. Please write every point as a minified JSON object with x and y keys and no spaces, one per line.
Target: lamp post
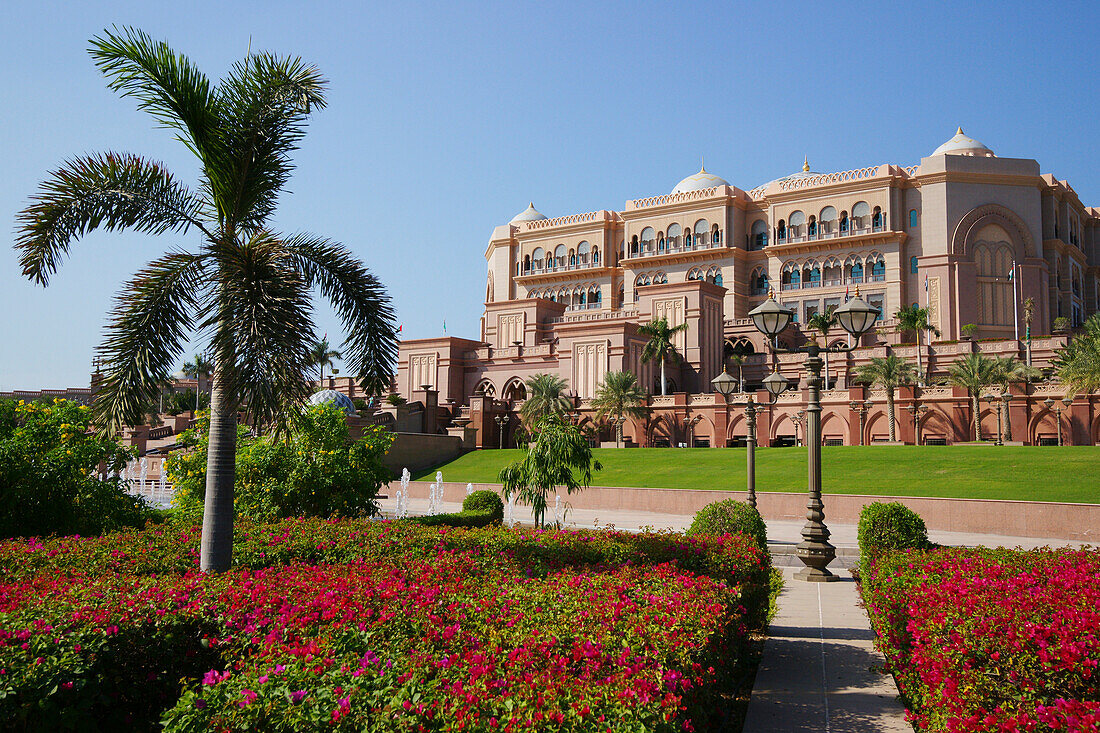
{"x":995,"y":403}
{"x":856,"y":317}
{"x":1052,"y":405}
{"x":501,"y":420}
{"x":917,"y":411}
{"x":725,"y":385}
{"x":862,"y":408}
{"x":617,"y":426}
{"x":799,"y":418}
{"x":691,"y":430}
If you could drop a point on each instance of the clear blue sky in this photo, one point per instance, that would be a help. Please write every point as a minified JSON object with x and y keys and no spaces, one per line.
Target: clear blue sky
{"x":446,"y":119}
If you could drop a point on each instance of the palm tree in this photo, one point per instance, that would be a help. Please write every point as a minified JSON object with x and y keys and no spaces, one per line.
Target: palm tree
{"x":1029,"y":313}
{"x":822,"y":322}
{"x":322,"y":355}
{"x":246,"y":286}
{"x":545,"y":397}
{"x":975,"y":372}
{"x":660,"y":346}
{"x":889,"y":373}
{"x":915,"y":318}
{"x":199,"y":367}
{"x":738,"y":360}
{"x":617,"y":396}
{"x":1078,"y":364}
{"x":1009,"y":370}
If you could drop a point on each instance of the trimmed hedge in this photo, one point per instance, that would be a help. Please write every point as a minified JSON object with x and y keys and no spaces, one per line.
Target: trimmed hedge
{"x":990,"y":640}
{"x":479,"y":509}
{"x":730,"y":517}
{"x":886,"y":527}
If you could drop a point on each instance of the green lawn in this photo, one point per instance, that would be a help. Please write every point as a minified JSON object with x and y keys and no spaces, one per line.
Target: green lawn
{"x":1070,"y":473}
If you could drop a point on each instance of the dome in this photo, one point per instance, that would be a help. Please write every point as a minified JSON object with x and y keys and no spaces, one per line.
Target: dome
{"x":963,"y":145}
{"x":331,"y":396}
{"x":699,"y":181}
{"x":804,"y":173}
{"x":528,"y":214}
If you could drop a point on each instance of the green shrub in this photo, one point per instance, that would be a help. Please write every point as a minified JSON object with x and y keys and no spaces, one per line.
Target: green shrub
{"x":884,"y":527}
{"x":49,"y":461}
{"x":730,"y":517}
{"x":319,"y":472}
{"x":479,"y":509}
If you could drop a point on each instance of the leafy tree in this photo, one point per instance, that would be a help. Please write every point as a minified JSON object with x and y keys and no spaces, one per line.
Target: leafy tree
{"x":1078,"y":364}
{"x":49,"y":460}
{"x":915,"y":318}
{"x":244,"y":285}
{"x":322,"y":355}
{"x":198,"y":368}
{"x":618,"y":396}
{"x":660,"y":347}
{"x":559,"y":456}
{"x":822,"y":323}
{"x":319,"y":472}
{"x":975,"y":372}
{"x":889,"y":373}
{"x":178,"y":402}
{"x":545,"y":397}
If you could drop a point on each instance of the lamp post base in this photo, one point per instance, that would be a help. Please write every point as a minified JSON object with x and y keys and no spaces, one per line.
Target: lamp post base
{"x":816,"y":556}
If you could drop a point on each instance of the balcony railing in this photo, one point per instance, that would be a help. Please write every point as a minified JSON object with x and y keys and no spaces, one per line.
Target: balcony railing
{"x":649,"y":249}
{"x":555,"y":268}
{"x":834,"y":232}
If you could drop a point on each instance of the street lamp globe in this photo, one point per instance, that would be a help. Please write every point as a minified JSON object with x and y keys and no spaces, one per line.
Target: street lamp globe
{"x":1048,"y":402}
{"x":724,"y":384}
{"x":856,"y":316}
{"x":1067,"y":401}
{"x":776,"y":384}
{"x":770,"y":318}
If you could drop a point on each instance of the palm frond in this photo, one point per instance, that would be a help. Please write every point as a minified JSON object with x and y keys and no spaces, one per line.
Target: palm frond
{"x":370,"y":350}
{"x":262,"y":330}
{"x":165,"y":83}
{"x":152,"y":320}
{"x":107,"y":191}
{"x":266,"y":102}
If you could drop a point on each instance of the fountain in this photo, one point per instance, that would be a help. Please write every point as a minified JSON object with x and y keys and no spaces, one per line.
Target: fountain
{"x":144,"y":474}
{"x":557,"y":511}
{"x":403,"y":495}
{"x":469,"y":489}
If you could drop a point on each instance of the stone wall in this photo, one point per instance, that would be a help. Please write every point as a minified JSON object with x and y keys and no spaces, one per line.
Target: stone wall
{"x":417,"y":451}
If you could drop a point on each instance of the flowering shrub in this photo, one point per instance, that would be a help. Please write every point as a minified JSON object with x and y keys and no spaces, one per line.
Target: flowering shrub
{"x":383,"y":626}
{"x":49,"y":458}
{"x":991,"y":640}
{"x":320,"y":471}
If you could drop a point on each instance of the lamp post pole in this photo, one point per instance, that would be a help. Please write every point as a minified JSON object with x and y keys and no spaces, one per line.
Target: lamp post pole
{"x":995,"y":404}
{"x":501,"y":421}
{"x":917,"y":411}
{"x":750,"y":445}
{"x":856,"y":317}
{"x":724,"y":385}
{"x":1053,"y":406}
{"x":862,"y":408}
{"x":799,"y":419}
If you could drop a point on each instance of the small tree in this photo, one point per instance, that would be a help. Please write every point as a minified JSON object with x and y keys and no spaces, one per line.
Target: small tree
{"x":975,"y":373}
{"x":617,"y":396}
{"x":822,"y":322}
{"x":1078,"y":364}
{"x":888,"y":373}
{"x":559,"y":456}
{"x":545,"y":397}
{"x":915,"y":318}
{"x":660,"y":347}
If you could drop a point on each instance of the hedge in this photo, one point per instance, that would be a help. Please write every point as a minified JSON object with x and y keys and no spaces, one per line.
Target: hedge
{"x":479,"y":509}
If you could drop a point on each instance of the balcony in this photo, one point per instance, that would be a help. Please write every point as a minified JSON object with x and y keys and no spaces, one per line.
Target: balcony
{"x":544,"y":270}
{"x":653,"y":249}
{"x":834,"y":232}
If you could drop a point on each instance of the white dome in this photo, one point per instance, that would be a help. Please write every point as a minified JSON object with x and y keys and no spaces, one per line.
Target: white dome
{"x":528,"y":214}
{"x":339,"y":399}
{"x":963,"y":145}
{"x":804,"y":173}
{"x":699,"y":181}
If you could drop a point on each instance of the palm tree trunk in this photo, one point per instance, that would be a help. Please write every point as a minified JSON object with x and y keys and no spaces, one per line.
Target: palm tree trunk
{"x":890,"y":413}
{"x":663,"y":383}
{"x":920,"y":363}
{"x":619,"y":432}
{"x":216,"y":550}
{"x":740,"y":378}
{"x":826,"y":340}
{"x":976,"y":408}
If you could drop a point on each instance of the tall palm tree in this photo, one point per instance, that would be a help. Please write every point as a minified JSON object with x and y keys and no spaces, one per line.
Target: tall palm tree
{"x":975,"y":372}
{"x":660,"y":346}
{"x":914,"y":318}
{"x":1009,"y":370}
{"x":889,"y":373}
{"x":822,"y":322}
{"x":245,"y":286}
{"x":200,"y":367}
{"x":738,"y":360}
{"x":322,"y":356}
{"x":1029,"y":313}
{"x":1078,"y":364}
{"x":618,"y":396}
{"x":545,"y":397}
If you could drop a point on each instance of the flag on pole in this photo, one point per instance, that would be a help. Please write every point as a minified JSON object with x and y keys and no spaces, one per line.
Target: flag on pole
{"x":846,"y":293}
{"x":926,"y":283}
{"x":444,"y":325}
{"x":400,"y":327}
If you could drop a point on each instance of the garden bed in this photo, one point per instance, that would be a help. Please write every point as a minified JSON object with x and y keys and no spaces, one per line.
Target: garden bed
{"x":991,"y":640}
{"x":360,"y":625}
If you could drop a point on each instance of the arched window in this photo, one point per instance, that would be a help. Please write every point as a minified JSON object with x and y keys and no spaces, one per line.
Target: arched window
{"x":811,"y":228}
{"x":695,"y":274}
{"x":622,"y":296}
{"x":675,"y":234}
{"x":559,"y":255}
{"x":527,"y":263}
{"x":714,"y":275}
{"x":796,"y":220}
{"x":812,"y":276}
{"x":759,"y":238}
{"x":599,"y":297}
{"x":792,"y":278}
{"x":832,"y":272}
{"x":715,"y":235}
{"x":780,"y":232}
{"x":878,"y":268}
{"x":536,"y":258}
{"x":912,"y":265}
{"x":572,"y":258}
{"x":701,"y":229}
{"x":759,"y":282}
{"x":844,"y":223}
{"x":660,"y":241}
{"x":485,"y":387}
{"x":660,"y":278}
{"x":912,"y":218}
{"x":876,"y":219}
{"x":827,"y":220}
{"x":595,"y":255}
{"x":860,"y":211}
{"x":634,"y":246}
{"x":648,"y":237}
{"x":993,"y":261}
{"x":582,"y":252}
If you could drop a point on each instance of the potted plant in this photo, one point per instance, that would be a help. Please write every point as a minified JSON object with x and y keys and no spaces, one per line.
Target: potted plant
{"x":1061,"y":324}
{"x":968,"y":331}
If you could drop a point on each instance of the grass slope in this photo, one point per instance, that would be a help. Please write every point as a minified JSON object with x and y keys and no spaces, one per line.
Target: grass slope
{"x":1069,"y":474}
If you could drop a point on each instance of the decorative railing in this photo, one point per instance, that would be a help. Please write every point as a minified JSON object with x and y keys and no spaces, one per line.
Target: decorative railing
{"x":662,"y":401}
{"x":164,"y":431}
{"x":520,"y":272}
{"x":911,"y":170}
{"x":791,"y":395}
{"x":855,"y":174}
{"x":653,"y":251}
{"x":596,"y":315}
{"x":674,"y":198}
{"x":933,"y":393}
{"x":560,"y":220}
{"x":708,"y":398}
{"x":758,"y":192}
